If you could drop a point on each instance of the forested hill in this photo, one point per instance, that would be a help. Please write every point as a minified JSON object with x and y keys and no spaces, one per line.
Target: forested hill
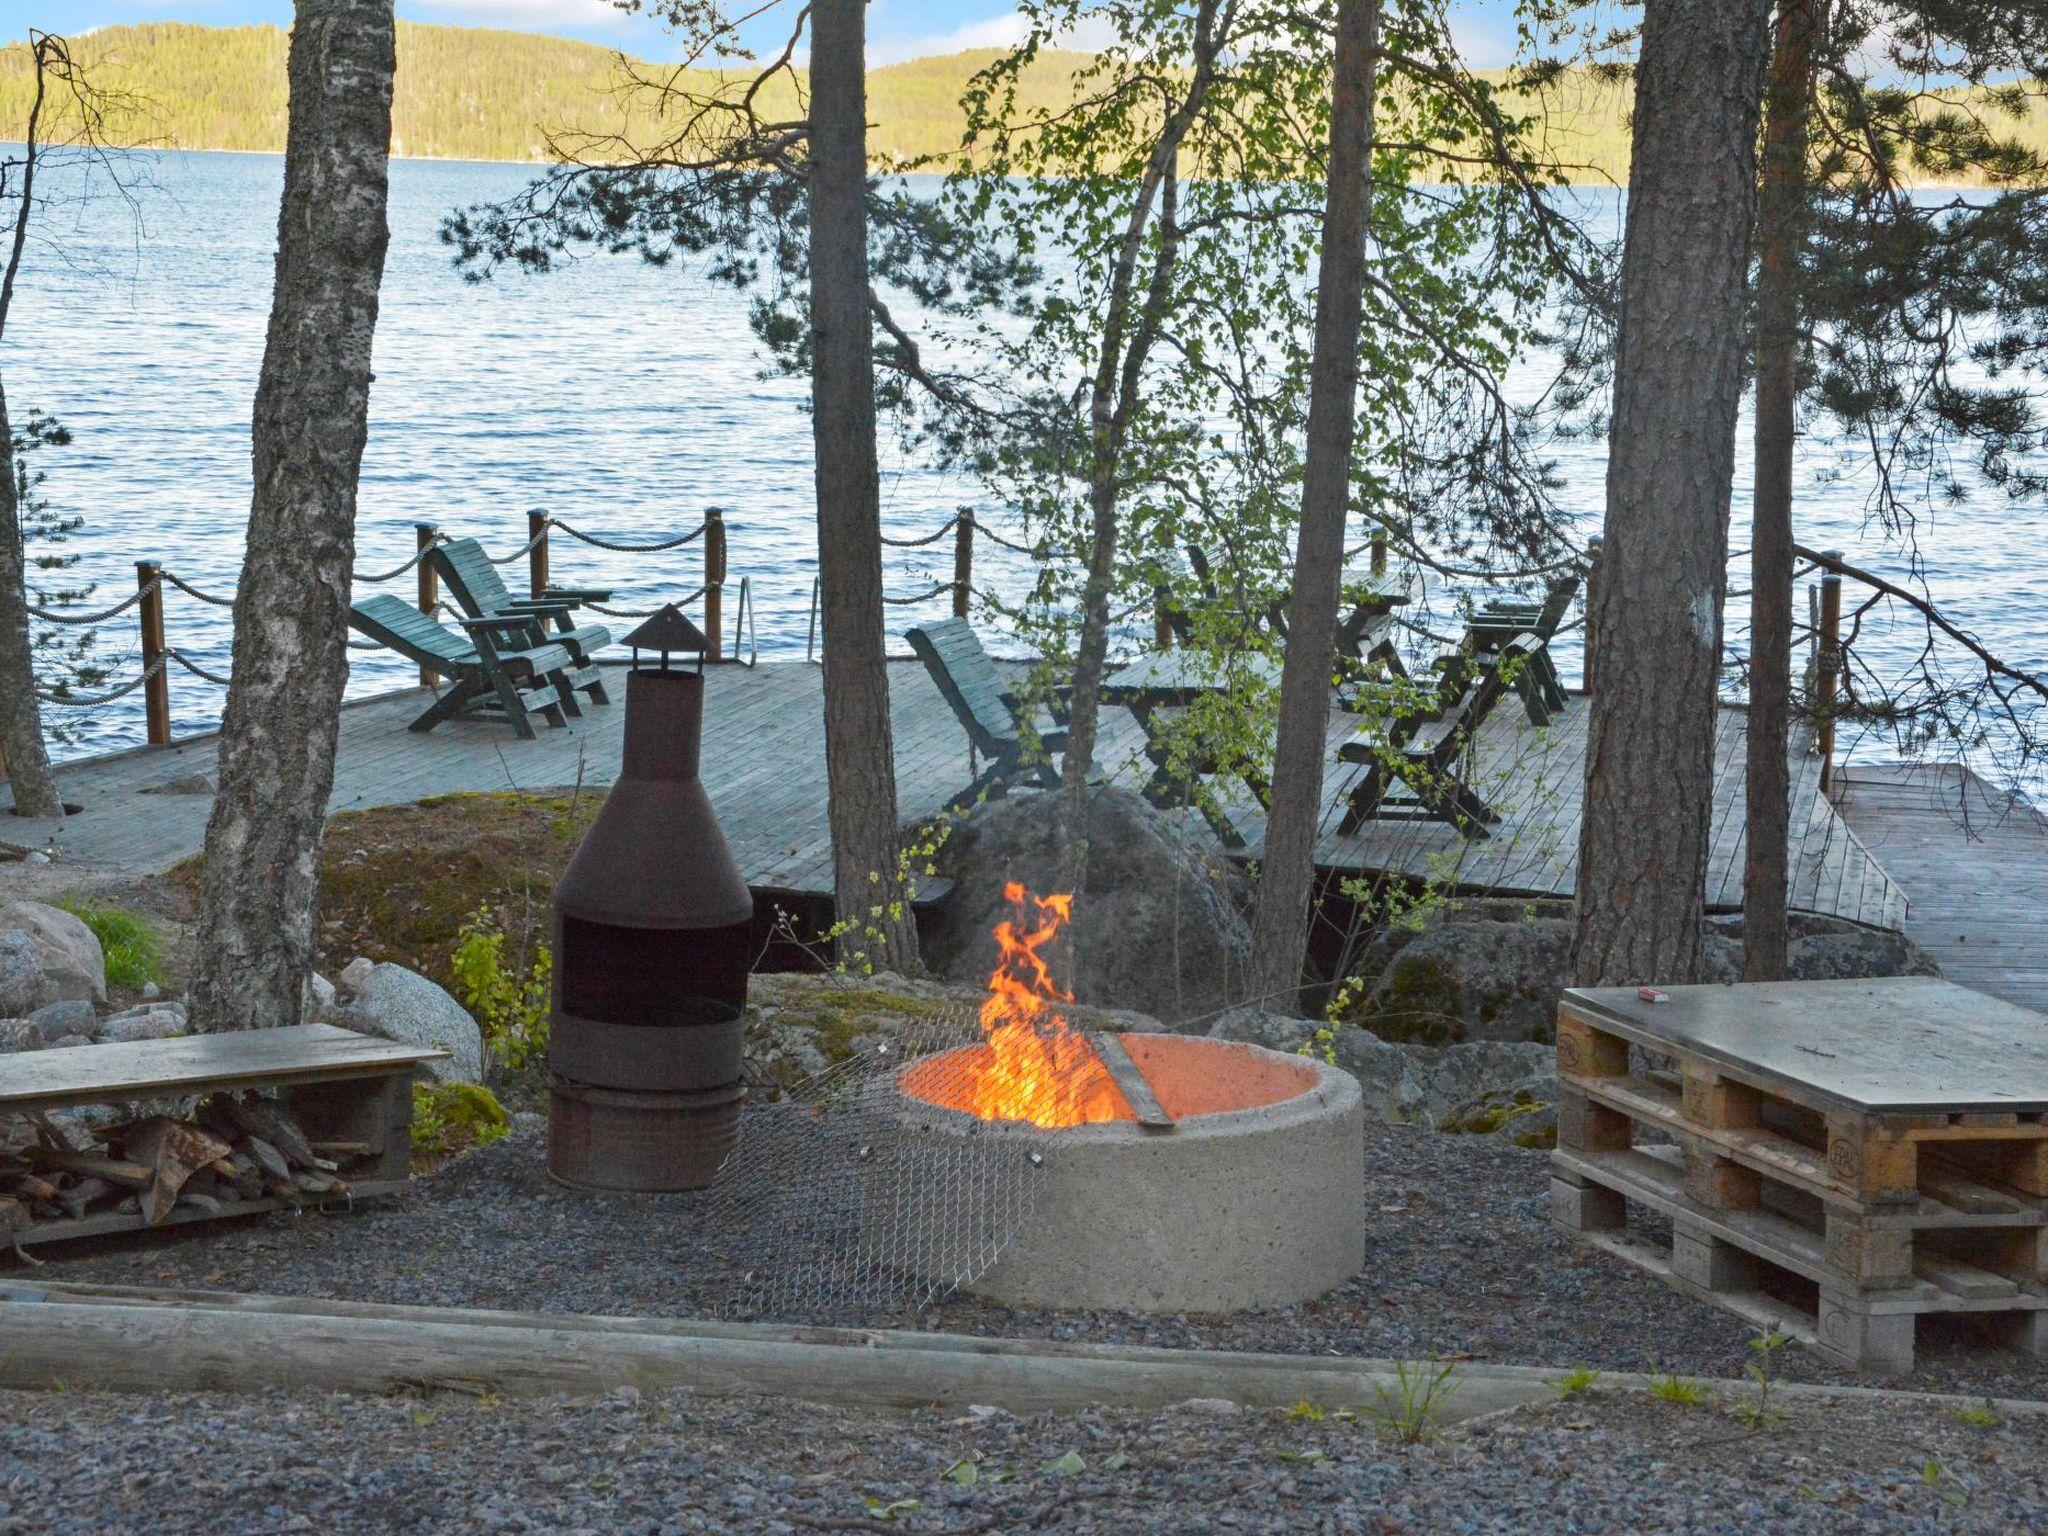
{"x":467,"y":93}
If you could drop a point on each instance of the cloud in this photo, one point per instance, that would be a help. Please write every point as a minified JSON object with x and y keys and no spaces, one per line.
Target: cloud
{"x":990,"y":32}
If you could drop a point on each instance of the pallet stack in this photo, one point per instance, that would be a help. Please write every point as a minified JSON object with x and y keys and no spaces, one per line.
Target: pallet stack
{"x":1835,"y":1158}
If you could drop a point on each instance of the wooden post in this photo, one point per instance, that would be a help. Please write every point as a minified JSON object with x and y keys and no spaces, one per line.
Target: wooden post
{"x":1379,"y":551}
{"x":537,"y":557}
{"x":963,"y":562}
{"x":156,"y":693}
{"x":1829,"y":653}
{"x":714,"y":582}
{"x":1162,"y":626}
{"x":1594,"y":547}
{"x":424,"y":535}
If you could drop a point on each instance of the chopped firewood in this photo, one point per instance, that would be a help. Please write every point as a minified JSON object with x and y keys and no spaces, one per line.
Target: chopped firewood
{"x":14,"y":1216}
{"x":342,"y":1151}
{"x":199,"y":1201}
{"x":172,"y":1151}
{"x":113,"y":1169}
{"x":29,"y":1187}
{"x":317,"y":1183}
{"x":263,"y":1119}
{"x":223,"y":1167}
{"x":53,"y":1137}
{"x":269,"y":1159}
{"x":75,"y":1197}
{"x":247,"y":1177}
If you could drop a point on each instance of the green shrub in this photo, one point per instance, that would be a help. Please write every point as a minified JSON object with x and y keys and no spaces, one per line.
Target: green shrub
{"x":133,"y":951}
{"x":448,"y":1118}
{"x":508,"y":997}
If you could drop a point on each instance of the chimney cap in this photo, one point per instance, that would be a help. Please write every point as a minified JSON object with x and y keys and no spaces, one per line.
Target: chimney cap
{"x":668,"y":629}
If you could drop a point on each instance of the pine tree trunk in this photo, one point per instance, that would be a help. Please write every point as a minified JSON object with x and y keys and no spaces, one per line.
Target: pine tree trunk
{"x":24,"y":761}
{"x":1780,"y":227}
{"x":1287,"y":875}
{"x":260,"y":892}
{"x":860,"y":756}
{"x":1678,"y":380}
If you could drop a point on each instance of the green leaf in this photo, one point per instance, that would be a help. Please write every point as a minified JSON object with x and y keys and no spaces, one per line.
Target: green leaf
{"x":1067,"y":1465}
{"x":963,"y":1472}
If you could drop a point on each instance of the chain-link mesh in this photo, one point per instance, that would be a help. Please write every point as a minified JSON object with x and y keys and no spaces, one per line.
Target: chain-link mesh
{"x":848,"y":1195}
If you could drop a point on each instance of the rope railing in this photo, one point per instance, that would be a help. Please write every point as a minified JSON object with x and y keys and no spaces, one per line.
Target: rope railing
{"x":61,"y":700}
{"x":49,"y":616}
{"x":195,"y":669}
{"x":948,"y":526}
{"x":647,"y":613}
{"x":623,"y":549}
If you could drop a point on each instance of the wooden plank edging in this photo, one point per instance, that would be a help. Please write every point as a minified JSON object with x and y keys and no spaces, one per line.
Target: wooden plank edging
{"x":138,"y":1339}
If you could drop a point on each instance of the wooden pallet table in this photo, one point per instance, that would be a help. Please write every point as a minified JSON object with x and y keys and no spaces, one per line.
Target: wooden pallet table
{"x":340,"y":1088}
{"x":1838,"y":1158}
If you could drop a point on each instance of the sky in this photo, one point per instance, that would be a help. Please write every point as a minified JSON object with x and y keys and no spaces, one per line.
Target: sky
{"x":897,"y":29}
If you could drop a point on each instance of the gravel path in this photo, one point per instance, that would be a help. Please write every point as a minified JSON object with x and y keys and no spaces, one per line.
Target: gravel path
{"x":100,"y":1465}
{"x":1462,"y":1263}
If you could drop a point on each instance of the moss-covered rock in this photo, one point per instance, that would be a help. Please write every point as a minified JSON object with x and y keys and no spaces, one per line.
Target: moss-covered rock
{"x":452,"y":1118}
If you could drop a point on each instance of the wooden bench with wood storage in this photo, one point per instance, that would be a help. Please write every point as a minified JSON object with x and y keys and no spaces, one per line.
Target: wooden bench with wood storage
{"x":214,"y":1126}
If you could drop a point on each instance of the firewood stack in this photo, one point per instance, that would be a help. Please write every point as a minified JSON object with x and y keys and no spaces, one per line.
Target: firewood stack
{"x":234,"y":1149}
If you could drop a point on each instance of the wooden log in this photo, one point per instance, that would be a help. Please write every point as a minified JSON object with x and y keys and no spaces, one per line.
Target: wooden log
{"x":143,"y":1346}
{"x":268,"y":1120}
{"x":114,"y":1170}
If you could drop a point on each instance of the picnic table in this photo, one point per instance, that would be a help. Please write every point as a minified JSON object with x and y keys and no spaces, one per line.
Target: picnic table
{"x":1162,"y":681}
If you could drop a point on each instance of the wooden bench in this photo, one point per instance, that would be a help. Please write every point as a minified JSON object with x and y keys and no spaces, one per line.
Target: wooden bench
{"x":350,"y":1096}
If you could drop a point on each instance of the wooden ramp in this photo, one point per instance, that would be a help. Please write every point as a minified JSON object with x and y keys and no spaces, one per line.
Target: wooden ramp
{"x":1976,"y":861}
{"x":764,"y":769}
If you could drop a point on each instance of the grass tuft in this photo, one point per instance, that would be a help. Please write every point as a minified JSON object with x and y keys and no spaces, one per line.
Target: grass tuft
{"x":133,"y":951}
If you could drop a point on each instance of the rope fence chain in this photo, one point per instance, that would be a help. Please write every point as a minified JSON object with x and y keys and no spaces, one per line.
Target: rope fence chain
{"x":920,"y":597}
{"x":623,"y":549}
{"x":931,"y":538}
{"x":93,"y":701}
{"x":174,"y":654}
{"x":633,"y":613}
{"x":189,"y":590}
{"x":50,"y":617}
{"x":393,"y":575}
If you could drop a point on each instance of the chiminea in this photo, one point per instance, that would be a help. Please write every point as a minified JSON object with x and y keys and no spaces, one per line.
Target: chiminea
{"x":651,"y":926}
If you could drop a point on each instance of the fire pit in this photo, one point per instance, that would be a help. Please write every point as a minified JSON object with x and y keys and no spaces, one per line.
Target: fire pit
{"x":1175,"y":1173}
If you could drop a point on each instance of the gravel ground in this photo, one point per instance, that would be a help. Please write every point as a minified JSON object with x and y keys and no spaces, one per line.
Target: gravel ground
{"x":275,"y":1463}
{"x":1462,"y":1263}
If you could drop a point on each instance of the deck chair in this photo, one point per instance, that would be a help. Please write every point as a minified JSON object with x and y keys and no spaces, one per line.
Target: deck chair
{"x":1412,"y":774}
{"x":492,"y":666}
{"x":473,"y":581}
{"x":971,"y":685}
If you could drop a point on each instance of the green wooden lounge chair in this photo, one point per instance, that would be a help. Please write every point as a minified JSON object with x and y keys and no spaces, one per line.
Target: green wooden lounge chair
{"x":492,"y":665}
{"x":1413,"y":773}
{"x":970,"y":683}
{"x":473,"y":581}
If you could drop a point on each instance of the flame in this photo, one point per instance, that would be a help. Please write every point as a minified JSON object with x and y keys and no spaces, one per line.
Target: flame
{"x":1033,"y":1066}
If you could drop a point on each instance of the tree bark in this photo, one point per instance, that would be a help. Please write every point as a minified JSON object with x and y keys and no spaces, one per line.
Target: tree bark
{"x":1287,"y":873}
{"x":1678,"y":378}
{"x":860,"y":757}
{"x":1781,"y":220}
{"x":24,"y":759}
{"x":260,"y":889}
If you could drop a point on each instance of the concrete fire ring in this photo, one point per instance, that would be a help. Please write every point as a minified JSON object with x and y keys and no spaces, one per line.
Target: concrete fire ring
{"x":1235,"y":1207}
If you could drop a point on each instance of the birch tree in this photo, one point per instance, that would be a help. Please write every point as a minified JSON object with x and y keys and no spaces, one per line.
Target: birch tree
{"x":260,"y":888}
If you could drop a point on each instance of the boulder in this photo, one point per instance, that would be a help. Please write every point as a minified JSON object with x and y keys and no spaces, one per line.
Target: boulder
{"x":320,"y":997}
{"x":129,"y":1027}
{"x":1492,"y":970}
{"x":19,"y":1035}
{"x":72,"y":1017}
{"x":1159,"y":922}
{"x":21,"y":973}
{"x":396,"y":1004}
{"x":1439,"y":1086}
{"x":356,"y":972}
{"x":73,"y":966}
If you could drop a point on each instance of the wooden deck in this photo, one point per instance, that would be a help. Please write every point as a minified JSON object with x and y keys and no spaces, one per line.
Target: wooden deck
{"x":1976,"y":862}
{"x":764,"y":769}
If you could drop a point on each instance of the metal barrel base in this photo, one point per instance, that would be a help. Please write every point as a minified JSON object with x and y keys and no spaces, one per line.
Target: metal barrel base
{"x":613,"y":1139}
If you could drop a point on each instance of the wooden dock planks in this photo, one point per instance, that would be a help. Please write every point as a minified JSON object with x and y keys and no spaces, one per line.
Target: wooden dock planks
{"x":764,"y":770}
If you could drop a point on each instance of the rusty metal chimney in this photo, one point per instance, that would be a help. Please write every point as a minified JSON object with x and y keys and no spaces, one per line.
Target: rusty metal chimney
{"x":652,"y":923}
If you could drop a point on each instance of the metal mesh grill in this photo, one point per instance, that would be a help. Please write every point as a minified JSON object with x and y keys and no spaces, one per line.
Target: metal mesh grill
{"x":845,"y":1197}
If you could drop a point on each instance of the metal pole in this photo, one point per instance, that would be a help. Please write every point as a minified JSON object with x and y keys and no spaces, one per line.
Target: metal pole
{"x":424,"y":535}
{"x":963,"y":562}
{"x":1830,"y":656}
{"x":714,"y":582}
{"x":156,"y":693}
{"x":1595,"y":547}
{"x":537,"y":557}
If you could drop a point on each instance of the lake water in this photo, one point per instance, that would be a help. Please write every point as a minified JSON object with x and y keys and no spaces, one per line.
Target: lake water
{"x":625,"y":399}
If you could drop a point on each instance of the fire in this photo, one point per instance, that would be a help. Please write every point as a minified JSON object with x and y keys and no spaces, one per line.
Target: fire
{"x":1033,"y":1066}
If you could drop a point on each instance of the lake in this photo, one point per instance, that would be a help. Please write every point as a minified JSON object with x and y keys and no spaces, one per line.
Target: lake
{"x":623,"y":398}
